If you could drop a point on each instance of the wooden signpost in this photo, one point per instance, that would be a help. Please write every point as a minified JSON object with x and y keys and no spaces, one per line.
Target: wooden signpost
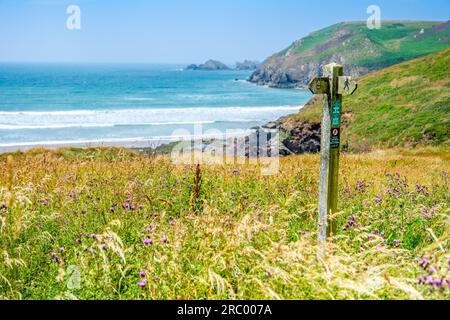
{"x":333,"y":85}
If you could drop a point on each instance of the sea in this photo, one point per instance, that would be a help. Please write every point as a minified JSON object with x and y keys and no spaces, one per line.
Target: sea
{"x":126,"y":104}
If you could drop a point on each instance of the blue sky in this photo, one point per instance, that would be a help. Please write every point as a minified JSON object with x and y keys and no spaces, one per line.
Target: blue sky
{"x":180,"y":31}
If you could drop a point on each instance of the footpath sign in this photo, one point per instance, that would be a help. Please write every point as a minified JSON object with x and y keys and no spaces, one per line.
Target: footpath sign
{"x":333,"y":85}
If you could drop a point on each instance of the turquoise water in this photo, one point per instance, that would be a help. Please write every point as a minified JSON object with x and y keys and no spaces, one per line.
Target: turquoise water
{"x":55,"y":103}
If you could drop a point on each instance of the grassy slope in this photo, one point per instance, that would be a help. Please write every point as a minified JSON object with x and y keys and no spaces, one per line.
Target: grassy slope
{"x":403,"y":105}
{"x":243,"y":241}
{"x":393,"y":43}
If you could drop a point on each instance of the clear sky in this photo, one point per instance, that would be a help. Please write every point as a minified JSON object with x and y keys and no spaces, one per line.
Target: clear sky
{"x":180,"y":31}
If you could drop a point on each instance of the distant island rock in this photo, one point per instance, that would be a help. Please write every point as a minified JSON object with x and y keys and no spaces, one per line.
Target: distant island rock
{"x":247,"y":65}
{"x":210,"y":65}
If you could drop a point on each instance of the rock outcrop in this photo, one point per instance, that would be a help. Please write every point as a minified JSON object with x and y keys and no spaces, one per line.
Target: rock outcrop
{"x":247,"y":65}
{"x":210,"y":65}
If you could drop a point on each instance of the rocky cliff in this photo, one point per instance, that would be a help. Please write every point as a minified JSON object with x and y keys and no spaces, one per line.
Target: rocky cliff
{"x":353,"y":45}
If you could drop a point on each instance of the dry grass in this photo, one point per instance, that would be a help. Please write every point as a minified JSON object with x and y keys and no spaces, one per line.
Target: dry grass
{"x":218,"y":232}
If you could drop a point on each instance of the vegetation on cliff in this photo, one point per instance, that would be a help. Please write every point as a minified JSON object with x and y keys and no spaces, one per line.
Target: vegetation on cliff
{"x":359,"y":49}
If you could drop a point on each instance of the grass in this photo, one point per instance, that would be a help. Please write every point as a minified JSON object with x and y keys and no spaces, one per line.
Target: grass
{"x":77,"y":224}
{"x":395,"y":42}
{"x":406,"y":105}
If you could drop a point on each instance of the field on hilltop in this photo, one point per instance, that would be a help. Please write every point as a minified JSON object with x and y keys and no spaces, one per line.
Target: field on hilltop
{"x":112,"y":224}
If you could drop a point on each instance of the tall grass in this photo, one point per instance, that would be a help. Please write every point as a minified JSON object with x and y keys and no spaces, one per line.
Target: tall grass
{"x":110,"y":224}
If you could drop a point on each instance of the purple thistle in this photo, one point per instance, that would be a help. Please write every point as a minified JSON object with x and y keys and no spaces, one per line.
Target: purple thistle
{"x":172,"y":223}
{"x":142,"y":283}
{"x":93,"y":236}
{"x":111,"y":210}
{"x":148,"y":242}
{"x":421,"y":279}
{"x":78,"y":240}
{"x":164,"y":239}
{"x":142,"y":274}
{"x":432,"y":271}
{"x":141,"y":207}
{"x":438,"y":283}
{"x":429,"y":280}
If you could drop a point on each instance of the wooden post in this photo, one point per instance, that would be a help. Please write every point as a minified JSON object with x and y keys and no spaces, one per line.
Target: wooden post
{"x":333,"y":85}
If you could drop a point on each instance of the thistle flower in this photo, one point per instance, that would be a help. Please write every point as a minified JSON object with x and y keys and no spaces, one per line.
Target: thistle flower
{"x":432,"y":271}
{"x":164,"y":240}
{"x":148,"y":242}
{"x":429,"y":280}
{"x":78,"y":240}
{"x":142,"y":274}
{"x":421,"y":279}
{"x":93,"y":236}
{"x":438,"y":282}
{"x":61,"y":249}
{"x":142,"y":283}
{"x":172,"y":223}
{"x":111,"y":210}
{"x":141,"y":207}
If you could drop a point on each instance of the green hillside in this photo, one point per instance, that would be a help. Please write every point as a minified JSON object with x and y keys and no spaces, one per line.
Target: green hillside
{"x":404,"y":105}
{"x":352,"y":44}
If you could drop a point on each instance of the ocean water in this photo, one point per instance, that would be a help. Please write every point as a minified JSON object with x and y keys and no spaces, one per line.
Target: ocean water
{"x":42,"y":104}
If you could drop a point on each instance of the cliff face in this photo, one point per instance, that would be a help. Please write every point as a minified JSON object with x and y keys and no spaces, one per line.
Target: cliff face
{"x":405,"y":105}
{"x":353,"y":45}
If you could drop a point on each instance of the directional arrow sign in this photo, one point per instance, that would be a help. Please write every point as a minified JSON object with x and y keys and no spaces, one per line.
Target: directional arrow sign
{"x":319,"y":85}
{"x":347,"y":86}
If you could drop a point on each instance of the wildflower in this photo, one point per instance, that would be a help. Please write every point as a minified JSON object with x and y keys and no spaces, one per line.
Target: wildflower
{"x":142,"y":274}
{"x":424,"y":263}
{"x":378,"y":199}
{"x":141,"y":207}
{"x":422,"y":190}
{"x":126,"y":206}
{"x":396,"y":243}
{"x":104,"y":247}
{"x":78,"y":240}
{"x":54,"y":257}
{"x":164,"y":239}
{"x":148,"y":242}
{"x":142,"y":283}
{"x":350,"y":223}
{"x":172,"y":223}
{"x":438,"y":282}
{"x":448,"y":262}
{"x":133,"y":207}
{"x":93,"y":236}
{"x":421,"y":279}
{"x":61,"y":249}
{"x":432,"y":271}
{"x":429,"y":280}
{"x":111,"y":210}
